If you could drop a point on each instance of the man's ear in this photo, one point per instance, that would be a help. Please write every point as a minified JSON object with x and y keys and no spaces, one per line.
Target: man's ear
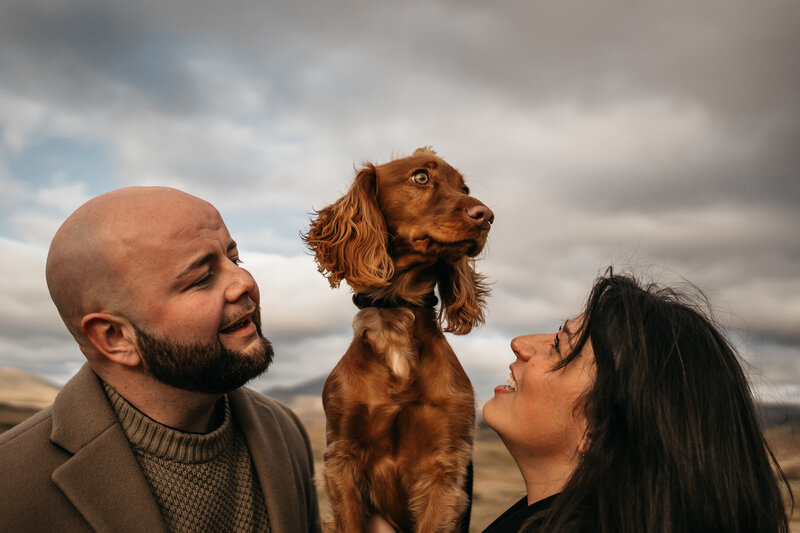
{"x":113,"y":337}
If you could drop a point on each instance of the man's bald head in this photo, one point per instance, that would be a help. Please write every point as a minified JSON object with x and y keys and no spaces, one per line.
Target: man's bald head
{"x":94,"y":253}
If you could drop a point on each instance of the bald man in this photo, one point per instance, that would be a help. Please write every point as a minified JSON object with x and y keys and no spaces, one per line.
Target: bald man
{"x":156,"y":432}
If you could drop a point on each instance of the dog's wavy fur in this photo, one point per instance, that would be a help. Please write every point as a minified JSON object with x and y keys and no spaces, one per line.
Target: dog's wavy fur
{"x":399,"y":407}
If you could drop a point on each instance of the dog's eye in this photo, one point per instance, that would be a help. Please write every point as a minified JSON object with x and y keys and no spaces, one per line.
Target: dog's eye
{"x":420,"y":178}
{"x":466,"y":190}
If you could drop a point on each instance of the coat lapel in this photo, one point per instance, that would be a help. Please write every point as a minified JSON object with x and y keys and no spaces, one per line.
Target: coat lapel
{"x":273,"y":463}
{"x":102,"y":478}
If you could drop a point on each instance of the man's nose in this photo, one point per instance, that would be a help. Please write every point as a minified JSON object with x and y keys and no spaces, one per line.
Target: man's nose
{"x":241,"y":283}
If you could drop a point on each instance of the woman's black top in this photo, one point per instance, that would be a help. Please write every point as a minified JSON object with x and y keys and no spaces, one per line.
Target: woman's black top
{"x":512,"y":520}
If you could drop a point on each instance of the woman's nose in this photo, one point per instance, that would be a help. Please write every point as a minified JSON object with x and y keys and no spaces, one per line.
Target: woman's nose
{"x":526,"y":346}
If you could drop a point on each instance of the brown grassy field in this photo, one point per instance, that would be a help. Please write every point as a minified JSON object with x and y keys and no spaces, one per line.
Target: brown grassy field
{"x":498,"y":483}
{"x":785,"y":443}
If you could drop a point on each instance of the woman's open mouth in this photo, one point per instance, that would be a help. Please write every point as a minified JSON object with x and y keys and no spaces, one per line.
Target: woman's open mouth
{"x":511,"y":387}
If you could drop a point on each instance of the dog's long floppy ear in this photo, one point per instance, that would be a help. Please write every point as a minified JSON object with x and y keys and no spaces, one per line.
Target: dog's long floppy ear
{"x":349,"y":237}
{"x":463,"y":292}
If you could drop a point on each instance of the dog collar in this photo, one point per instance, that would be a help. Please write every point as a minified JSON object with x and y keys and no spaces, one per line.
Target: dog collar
{"x":363,"y":301}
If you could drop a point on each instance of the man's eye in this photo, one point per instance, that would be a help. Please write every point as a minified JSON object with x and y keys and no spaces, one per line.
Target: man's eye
{"x":205,"y":280}
{"x":236,"y":261}
{"x":556,"y":342}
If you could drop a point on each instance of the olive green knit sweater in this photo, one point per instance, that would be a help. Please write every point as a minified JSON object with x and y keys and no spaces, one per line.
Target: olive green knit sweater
{"x":201,"y":482}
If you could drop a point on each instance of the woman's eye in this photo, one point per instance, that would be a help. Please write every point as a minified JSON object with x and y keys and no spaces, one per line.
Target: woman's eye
{"x":421,"y":178}
{"x":556,"y":343}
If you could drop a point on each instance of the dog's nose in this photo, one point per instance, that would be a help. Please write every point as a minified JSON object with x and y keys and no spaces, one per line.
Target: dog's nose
{"x":482,"y":215}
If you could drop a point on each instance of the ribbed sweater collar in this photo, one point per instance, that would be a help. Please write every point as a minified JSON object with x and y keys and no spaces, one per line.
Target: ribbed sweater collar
{"x":149,"y":436}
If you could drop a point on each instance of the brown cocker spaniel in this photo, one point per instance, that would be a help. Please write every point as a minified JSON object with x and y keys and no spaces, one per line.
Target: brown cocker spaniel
{"x":400,"y":409}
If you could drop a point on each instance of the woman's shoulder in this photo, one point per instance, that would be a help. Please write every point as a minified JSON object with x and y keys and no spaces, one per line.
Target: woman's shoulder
{"x":518,"y":514}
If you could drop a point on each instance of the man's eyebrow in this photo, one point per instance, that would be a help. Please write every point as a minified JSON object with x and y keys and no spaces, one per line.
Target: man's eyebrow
{"x":197,"y":263}
{"x":202,"y":261}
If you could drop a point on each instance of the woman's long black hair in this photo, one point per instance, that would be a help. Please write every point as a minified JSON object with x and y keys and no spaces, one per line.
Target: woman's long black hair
{"x":675,"y":442}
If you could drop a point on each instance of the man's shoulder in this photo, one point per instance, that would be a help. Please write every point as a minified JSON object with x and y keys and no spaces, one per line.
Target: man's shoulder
{"x":26,"y":452}
{"x":31,"y":431}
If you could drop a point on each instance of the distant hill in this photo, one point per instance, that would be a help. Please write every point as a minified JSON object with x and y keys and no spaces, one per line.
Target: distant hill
{"x":311,"y":387}
{"x":25,"y":390}
{"x":771,"y":414}
{"x":779,"y":414}
{"x":305,"y":399}
{"x":21,"y":395}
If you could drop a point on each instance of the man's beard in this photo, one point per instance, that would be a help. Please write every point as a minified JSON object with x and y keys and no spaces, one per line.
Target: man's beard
{"x":210,"y":368}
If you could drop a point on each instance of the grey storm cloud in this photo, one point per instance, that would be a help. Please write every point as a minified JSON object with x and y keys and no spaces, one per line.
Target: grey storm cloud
{"x":662,"y":135}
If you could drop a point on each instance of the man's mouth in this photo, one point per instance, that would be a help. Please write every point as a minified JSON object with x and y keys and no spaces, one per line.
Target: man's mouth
{"x":236,"y":326}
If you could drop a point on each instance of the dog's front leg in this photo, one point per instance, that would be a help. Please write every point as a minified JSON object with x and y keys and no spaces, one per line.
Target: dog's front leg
{"x":439,"y":499}
{"x":343,"y":482}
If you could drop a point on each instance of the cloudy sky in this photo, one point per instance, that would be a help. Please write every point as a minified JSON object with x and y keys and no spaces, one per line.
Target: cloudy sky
{"x":663,"y":137}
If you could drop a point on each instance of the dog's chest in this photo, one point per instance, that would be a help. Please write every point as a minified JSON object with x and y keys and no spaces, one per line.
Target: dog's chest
{"x":398,"y":358}
{"x":389,"y":334}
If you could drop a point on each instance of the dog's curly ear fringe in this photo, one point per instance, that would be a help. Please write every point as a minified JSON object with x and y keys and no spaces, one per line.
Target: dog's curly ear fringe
{"x":463,"y":292}
{"x":425,"y":150}
{"x":349,"y":237}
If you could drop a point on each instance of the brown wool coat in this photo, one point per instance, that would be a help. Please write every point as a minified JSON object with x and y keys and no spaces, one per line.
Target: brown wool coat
{"x":69,"y":468}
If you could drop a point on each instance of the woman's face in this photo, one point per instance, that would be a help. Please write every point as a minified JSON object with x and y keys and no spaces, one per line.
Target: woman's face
{"x":537,"y":413}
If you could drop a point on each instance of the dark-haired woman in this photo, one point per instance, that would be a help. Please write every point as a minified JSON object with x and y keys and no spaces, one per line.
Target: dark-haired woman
{"x":635,"y":417}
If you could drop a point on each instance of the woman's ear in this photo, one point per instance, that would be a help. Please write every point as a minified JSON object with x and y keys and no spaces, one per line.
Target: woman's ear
{"x":583,"y":445}
{"x":349,"y":237}
{"x":111,"y":337}
{"x":463,"y":292}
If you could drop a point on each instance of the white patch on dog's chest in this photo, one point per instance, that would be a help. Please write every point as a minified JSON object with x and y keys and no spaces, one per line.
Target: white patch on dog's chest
{"x":398,"y":363}
{"x":389,"y":333}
